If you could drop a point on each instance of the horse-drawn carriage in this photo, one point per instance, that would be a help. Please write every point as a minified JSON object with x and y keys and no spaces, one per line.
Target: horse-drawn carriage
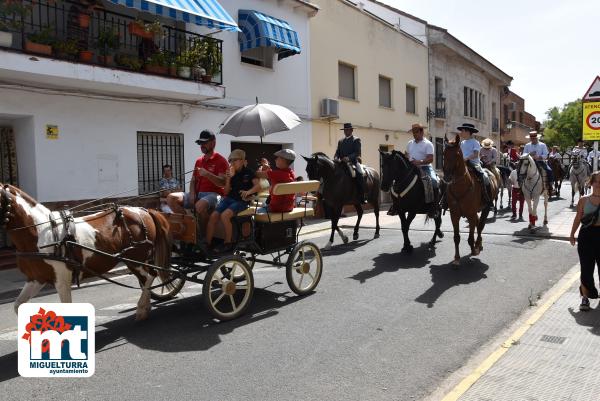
{"x":69,"y":249}
{"x":227,"y":280}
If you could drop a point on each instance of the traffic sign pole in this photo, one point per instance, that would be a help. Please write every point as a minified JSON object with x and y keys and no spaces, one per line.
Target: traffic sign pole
{"x":595,"y":156}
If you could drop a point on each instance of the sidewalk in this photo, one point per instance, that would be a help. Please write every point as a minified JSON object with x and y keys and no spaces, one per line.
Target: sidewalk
{"x":554,"y":355}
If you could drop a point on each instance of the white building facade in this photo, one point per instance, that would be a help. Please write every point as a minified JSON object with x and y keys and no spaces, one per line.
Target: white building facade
{"x":83,"y":131}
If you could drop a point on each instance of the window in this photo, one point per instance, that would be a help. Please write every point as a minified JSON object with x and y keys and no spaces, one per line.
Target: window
{"x":438,"y":88}
{"x":411,"y":99}
{"x":474,"y":103}
{"x":347,"y":81}
{"x":153,"y":151}
{"x":385,"y":92}
{"x":261,"y":56}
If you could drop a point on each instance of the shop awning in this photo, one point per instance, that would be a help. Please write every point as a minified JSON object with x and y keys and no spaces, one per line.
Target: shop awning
{"x":200,"y":12}
{"x":261,"y":30}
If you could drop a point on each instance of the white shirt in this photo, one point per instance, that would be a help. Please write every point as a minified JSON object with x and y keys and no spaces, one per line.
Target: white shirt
{"x":514,"y":180}
{"x":419,"y":150}
{"x":592,"y":154}
{"x":580,"y":151}
{"x":539,"y":148}
{"x":470,"y":146}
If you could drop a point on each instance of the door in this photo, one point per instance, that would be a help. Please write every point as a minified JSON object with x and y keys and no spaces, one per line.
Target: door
{"x":8,"y":167}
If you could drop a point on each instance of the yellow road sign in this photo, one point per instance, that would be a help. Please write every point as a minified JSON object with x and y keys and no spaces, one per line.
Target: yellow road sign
{"x":591,"y":121}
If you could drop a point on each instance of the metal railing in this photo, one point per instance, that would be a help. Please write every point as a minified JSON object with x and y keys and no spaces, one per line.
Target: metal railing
{"x":70,"y":30}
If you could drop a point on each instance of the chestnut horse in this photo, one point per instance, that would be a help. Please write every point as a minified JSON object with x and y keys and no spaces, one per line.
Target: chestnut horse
{"x":465,"y":198}
{"x":559,"y":174}
{"x":134,"y":233}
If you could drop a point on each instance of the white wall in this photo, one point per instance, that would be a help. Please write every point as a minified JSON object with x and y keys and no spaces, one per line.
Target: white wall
{"x":26,"y":152}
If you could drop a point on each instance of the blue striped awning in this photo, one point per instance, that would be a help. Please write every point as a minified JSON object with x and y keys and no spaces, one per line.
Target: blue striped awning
{"x":261,"y":30}
{"x":200,"y":12}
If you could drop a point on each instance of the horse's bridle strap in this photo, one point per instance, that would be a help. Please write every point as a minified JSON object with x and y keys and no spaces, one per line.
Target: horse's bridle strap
{"x":406,"y":190}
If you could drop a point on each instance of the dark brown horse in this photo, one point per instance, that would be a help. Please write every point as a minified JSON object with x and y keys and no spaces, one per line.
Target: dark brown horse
{"x":559,"y":174}
{"x":137,"y":234}
{"x":339,"y":189}
{"x":465,"y":197}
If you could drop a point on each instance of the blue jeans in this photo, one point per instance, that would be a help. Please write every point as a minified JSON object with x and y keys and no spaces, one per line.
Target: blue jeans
{"x":428,"y":170}
{"x":230,"y":203}
{"x":542,"y":164}
{"x":212,"y":198}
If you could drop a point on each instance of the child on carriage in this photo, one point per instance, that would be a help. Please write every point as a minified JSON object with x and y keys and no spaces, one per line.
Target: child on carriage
{"x":238,"y":180}
{"x":283,"y":174}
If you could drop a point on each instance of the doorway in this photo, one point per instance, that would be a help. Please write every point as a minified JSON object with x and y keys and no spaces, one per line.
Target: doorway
{"x":254,"y":151}
{"x":8,"y":168}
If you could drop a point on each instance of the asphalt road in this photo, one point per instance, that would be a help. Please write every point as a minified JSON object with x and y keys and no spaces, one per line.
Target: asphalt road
{"x":381,"y":326}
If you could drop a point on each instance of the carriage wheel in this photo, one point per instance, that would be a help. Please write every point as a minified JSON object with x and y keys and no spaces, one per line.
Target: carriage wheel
{"x":304,"y":267}
{"x":171,"y":285}
{"x":228,"y":287}
{"x":250,"y":258}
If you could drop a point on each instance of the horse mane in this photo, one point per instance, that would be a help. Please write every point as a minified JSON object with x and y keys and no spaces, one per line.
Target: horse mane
{"x":325,"y":158}
{"x":28,"y":198}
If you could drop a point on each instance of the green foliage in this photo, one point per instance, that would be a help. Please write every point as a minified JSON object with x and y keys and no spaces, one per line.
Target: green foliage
{"x":67,"y":47}
{"x":12,"y":14}
{"x":212,"y":56}
{"x":127,"y":61}
{"x":43,"y":37}
{"x":563,"y":127}
{"x":159,"y":59}
{"x":108,"y":41}
{"x":192,"y":56}
{"x":153,"y":27}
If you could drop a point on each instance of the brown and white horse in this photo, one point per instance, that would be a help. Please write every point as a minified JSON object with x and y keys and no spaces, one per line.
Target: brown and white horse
{"x":134,"y":233}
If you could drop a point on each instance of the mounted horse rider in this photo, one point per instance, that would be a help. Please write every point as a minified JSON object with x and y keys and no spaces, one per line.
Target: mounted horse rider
{"x":420,"y":153}
{"x":349,"y":151}
{"x":581,"y":150}
{"x":488,"y":154}
{"x":539,"y":152}
{"x":513,"y":153}
{"x":470,"y":149}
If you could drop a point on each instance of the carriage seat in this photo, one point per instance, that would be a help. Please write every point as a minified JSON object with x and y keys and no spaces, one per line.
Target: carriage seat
{"x":289,"y":188}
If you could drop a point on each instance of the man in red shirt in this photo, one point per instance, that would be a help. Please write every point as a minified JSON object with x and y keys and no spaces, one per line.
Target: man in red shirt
{"x":283,"y":174}
{"x":206,"y":185}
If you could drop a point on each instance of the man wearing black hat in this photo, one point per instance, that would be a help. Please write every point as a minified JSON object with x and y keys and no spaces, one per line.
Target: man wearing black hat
{"x":470,"y":149}
{"x":208,"y":180}
{"x":349,"y":151}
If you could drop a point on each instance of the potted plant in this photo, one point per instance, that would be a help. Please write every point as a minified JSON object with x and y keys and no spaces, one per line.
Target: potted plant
{"x":147,"y":30}
{"x":40,"y":42}
{"x":157,"y":63}
{"x":11,"y":19}
{"x":185,"y":61}
{"x":129,"y":62}
{"x":107,"y":43}
{"x":211,"y":59}
{"x":67,"y":49}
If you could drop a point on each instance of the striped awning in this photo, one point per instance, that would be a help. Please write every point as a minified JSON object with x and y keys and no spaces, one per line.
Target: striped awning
{"x":261,"y":30}
{"x":200,"y":12}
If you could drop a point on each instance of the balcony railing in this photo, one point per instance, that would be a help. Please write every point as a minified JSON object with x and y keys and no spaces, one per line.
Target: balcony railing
{"x":69,"y":30}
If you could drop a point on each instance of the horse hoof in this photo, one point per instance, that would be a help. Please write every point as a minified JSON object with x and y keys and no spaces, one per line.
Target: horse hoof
{"x":345,"y":239}
{"x":456,"y":263}
{"x":475,"y":252}
{"x":440,"y":234}
{"x":407,"y":248}
{"x":355,"y":236}
{"x":327,"y":247}
{"x":376,"y":235}
{"x":545,"y":223}
{"x":141,"y":316}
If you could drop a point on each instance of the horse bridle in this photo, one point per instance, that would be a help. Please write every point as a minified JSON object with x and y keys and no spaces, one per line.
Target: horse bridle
{"x":5,"y":206}
{"x":411,"y":169}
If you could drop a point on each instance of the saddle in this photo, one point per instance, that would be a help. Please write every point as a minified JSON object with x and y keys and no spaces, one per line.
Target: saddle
{"x":430,"y":191}
{"x":351,"y":169}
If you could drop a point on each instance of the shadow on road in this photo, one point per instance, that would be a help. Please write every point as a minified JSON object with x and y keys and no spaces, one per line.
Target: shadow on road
{"x":180,"y":325}
{"x":445,"y":277}
{"x":391,"y":262}
{"x":351,"y":246}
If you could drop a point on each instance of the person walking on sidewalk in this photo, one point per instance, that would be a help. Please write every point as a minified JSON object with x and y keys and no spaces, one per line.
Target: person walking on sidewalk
{"x":588,"y":241}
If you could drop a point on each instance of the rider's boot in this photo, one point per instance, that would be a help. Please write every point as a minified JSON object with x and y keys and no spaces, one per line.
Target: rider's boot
{"x":485,"y":185}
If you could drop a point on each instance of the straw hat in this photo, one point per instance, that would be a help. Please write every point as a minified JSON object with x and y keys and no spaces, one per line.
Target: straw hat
{"x":487,"y":143}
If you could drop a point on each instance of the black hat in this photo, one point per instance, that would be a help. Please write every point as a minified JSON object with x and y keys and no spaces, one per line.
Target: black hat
{"x":347,"y":126}
{"x":509,"y":142}
{"x":468,"y":127}
{"x":205,"y":136}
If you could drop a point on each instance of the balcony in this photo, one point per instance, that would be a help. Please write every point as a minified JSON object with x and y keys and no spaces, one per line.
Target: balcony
{"x":106,"y":51}
{"x":439,"y":111}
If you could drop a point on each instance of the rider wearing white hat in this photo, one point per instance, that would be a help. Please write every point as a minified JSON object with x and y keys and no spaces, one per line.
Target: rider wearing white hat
{"x":539,"y":152}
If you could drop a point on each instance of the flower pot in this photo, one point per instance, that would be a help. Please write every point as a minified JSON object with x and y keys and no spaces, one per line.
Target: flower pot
{"x":86,"y":56}
{"x":207,"y":79}
{"x":84,"y":20}
{"x":156,"y":69}
{"x":6,"y":39}
{"x":37,"y":48}
{"x":137,"y":30}
{"x":184,"y":72}
{"x":106,"y":60}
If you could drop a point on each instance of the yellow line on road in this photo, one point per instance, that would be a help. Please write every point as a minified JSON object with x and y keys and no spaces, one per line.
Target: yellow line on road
{"x":468,"y":381}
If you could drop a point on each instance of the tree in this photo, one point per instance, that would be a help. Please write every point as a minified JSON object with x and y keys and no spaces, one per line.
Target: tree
{"x":563,"y":127}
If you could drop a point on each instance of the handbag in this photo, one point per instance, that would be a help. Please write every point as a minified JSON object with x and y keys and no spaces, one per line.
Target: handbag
{"x":589,"y":220}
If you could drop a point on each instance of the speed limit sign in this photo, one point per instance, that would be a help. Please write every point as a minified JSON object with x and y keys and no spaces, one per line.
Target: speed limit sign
{"x":591,"y":121}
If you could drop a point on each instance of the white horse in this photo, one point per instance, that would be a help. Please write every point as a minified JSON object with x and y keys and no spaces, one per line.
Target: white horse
{"x":578,"y":175}
{"x":533,"y":187}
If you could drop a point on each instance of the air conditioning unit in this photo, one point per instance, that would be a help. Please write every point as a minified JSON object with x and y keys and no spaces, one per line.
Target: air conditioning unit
{"x":512,"y":106}
{"x":330,"y":108}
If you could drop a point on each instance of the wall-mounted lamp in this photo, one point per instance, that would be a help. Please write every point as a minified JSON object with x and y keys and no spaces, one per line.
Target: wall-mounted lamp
{"x":387,"y":137}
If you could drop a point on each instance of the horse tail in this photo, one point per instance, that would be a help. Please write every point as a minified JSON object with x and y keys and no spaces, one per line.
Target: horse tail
{"x":162,"y":243}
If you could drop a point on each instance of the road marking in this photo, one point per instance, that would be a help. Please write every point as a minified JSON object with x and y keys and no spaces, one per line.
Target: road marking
{"x":9,"y":335}
{"x":119,"y":306}
{"x":472,"y":378}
